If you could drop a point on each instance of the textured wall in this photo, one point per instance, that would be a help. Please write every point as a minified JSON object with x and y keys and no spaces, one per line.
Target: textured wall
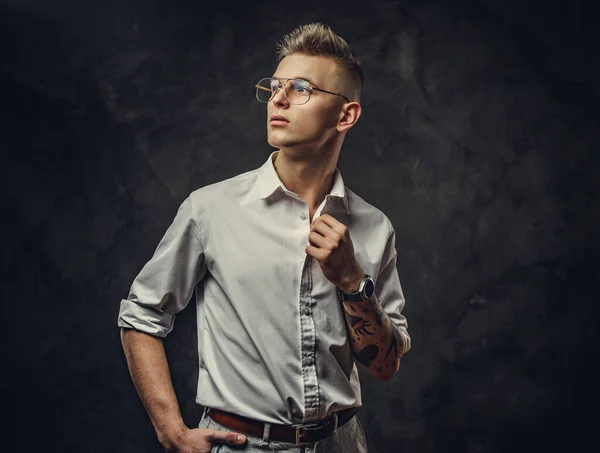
{"x":478,"y":139}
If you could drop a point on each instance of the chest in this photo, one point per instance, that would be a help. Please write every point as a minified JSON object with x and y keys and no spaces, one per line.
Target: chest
{"x":247,"y":243}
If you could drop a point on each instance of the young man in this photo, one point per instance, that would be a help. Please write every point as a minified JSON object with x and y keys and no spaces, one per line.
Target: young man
{"x":295,"y":279}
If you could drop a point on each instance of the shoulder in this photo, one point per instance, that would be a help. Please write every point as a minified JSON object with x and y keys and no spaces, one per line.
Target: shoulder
{"x":223,"y":191}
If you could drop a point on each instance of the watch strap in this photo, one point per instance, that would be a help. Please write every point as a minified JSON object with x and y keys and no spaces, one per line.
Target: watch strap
{"x":356,"y":296}
{"x":350,"y":297}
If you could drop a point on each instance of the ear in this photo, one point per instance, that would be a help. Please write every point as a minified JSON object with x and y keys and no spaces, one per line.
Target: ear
{"x":348,"y":116}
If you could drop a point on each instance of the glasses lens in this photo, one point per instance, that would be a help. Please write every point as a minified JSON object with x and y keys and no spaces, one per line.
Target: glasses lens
{"x":298,"y":91}
{"x":264,"y":93}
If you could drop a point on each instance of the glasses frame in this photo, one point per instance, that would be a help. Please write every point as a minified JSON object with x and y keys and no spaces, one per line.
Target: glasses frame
{"x":310,"y":86}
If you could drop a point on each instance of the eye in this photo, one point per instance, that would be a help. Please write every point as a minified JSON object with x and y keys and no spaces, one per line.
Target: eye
{"x":275,"y":84}
{"x":301,"y":86}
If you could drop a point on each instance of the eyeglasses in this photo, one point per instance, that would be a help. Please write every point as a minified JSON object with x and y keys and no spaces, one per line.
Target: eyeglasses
{"x":297,"y":91}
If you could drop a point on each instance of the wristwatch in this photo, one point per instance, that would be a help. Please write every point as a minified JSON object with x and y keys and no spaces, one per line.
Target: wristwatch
{"x":366,"y":288}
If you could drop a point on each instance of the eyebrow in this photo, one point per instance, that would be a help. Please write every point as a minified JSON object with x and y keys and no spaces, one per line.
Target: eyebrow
{"x":296,"y":77}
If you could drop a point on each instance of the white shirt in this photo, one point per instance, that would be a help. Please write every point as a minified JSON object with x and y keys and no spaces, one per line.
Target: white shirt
{"x":272,"y":338}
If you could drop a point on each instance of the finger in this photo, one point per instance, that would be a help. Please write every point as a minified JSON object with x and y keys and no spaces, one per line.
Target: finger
{"x":214,"y":436}
{"x":332,"y":223}
{"x":316,"y":253}
{"x":319,"y":241}
{"x":327,"y":232}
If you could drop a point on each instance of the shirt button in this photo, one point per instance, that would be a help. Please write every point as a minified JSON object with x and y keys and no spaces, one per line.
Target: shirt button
{"x":309,"y":360}
{"x":306,"y":311}
{"x":303,"y":216}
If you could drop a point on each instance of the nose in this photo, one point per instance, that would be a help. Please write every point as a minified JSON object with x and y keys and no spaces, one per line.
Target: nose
{"x":279,"y":98}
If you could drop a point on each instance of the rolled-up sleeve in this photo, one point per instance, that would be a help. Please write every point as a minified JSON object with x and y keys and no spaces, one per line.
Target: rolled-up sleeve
{"x":389,"y":291}
{"x":166,"y":283}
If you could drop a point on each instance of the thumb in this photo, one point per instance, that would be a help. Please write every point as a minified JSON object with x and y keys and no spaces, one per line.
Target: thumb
{"x":214,"y":436}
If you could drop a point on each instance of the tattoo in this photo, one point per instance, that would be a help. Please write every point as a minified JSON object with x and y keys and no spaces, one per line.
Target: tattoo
{"x":395,"y":341}
{"x":367,"y":354}
{"x":359,"y":325}
{"x":379,"y":316}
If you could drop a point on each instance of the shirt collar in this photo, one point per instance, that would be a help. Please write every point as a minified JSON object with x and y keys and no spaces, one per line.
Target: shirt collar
{"x":269,"y":182}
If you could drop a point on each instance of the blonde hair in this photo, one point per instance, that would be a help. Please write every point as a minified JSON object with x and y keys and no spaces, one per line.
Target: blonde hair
{"x":320,"y":40}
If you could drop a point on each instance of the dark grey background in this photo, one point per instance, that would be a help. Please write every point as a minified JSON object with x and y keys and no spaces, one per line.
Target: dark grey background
{"x":479,"y":139}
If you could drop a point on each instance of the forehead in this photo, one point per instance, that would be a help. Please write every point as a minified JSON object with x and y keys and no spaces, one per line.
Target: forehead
{"x":318,"y":70}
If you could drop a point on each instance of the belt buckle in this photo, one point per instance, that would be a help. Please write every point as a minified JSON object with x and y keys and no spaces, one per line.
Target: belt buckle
{"x":308,"y":427}
{"x":314,"y":427}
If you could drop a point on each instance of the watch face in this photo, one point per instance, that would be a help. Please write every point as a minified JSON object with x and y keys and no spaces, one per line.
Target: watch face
{"x":369,"y":288}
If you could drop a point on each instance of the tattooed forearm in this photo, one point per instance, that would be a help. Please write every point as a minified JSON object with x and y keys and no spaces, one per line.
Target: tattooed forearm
{"x":367,"y":354}
{"x":379,"y":315}
{"x":395,"y":341}
{"x":375,"y":342}
{"x":359,"y":325}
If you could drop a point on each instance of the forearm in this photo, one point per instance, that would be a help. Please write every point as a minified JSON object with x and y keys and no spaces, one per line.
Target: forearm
{"x":149,"y":371}
{"x":376,"y":343}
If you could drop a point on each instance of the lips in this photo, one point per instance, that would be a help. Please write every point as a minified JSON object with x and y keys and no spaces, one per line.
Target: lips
{"x":278,"y":119}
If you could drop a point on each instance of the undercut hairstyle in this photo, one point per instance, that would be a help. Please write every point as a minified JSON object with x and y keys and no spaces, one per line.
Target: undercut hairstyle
{"x":317,"y":39}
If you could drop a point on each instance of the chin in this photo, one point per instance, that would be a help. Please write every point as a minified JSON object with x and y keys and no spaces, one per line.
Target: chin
{"x":284,"y":144}
{"x":279,"y":142}
{"x":273,"y":143}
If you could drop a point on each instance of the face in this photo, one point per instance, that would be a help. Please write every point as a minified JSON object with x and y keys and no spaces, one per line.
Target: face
{"x":311,"y":125}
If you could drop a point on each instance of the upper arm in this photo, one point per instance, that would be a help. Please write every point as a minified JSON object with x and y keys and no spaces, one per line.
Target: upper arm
{"x":166,"y":283}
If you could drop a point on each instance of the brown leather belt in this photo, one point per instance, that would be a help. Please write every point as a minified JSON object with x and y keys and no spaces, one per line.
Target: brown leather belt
{"x":297,"y":434}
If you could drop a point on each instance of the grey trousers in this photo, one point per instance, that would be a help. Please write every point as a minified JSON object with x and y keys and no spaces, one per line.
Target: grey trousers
{"x":349,"y":438}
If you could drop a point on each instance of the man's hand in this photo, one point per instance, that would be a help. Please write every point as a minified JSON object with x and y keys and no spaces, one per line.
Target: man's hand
{"x":330,"y":244}
{"x":202,"y":440}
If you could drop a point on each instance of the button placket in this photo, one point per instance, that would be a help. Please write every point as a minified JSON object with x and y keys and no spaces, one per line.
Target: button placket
{"x":308,"y":343}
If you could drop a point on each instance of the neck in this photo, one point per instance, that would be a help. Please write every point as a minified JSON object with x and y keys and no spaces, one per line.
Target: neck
{"x":311,"y":177}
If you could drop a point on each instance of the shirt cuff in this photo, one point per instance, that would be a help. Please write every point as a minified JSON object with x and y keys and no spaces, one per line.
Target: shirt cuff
{"x":133,"y":315}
